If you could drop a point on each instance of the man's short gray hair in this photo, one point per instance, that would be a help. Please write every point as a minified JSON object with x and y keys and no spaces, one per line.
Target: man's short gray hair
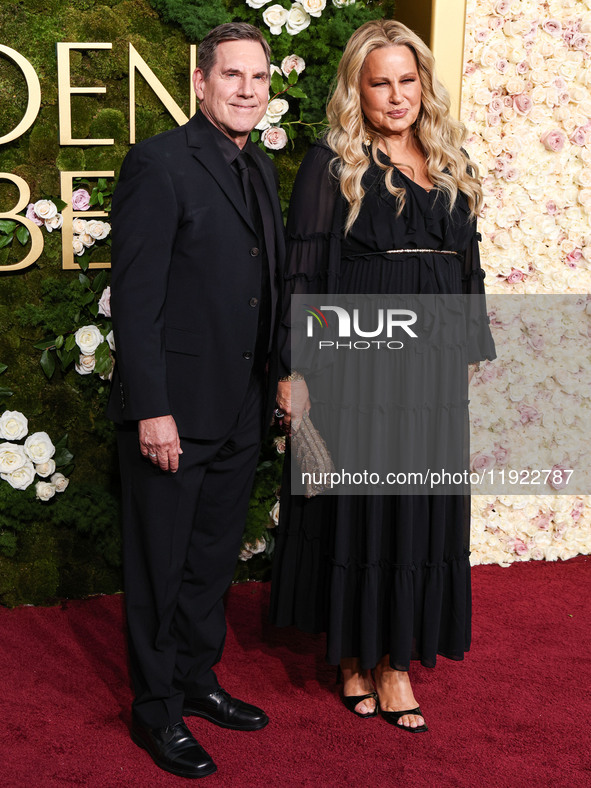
{"x":232,"y":31}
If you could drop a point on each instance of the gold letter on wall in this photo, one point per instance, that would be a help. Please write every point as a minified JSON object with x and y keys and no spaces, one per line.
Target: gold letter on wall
{"x":70,"y":214}
{"x":33,"y":89}
{"x":24,"y":194}
{"x":136,"y":61}
{"x":65,"y":90}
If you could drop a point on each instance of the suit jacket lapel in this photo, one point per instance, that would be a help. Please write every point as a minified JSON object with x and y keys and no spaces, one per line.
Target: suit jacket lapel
{"x":207,"y":153}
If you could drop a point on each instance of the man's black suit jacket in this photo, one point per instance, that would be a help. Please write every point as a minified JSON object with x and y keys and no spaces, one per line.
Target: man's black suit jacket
{"x":186,"y":283}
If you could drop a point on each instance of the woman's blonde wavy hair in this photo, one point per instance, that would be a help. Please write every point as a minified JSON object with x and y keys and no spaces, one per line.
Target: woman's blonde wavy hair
{"x":439,"y":135}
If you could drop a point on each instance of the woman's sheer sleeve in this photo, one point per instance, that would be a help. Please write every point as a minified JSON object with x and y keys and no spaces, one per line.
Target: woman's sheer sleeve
{"x":480,"y":342}
{"x":313,"y":237}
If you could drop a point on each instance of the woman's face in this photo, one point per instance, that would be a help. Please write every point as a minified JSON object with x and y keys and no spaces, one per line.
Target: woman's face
{"x":390,"y":90}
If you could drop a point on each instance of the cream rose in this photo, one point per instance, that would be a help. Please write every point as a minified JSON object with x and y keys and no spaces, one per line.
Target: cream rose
{"x":45,"y":209}
{"x":39,"y":448}
{"x":275,"y":17}
{"x":342,"y":3}
{"x":98,"y":230}
{"x":291,"y":63}
{"x":13,"y":425}
{"x":297,"y":19}
{"x":274,"y":138}
{"x":257,"y":3}
{"x":276,"y":109}
{"x":274,"y":515}
{"x":45,"y":469}
{"x":104,"y":304}
{"x":111,"y":340}
{"x":88,"y":338}
{"x":44,"y":491}
{"x":21,"y":478}
{"x":87,"y":239}
{"x":12,"y":457}
{"x":60,"y":482}
{"x":78,"y":246}
{"x":54,"y":223}
{"x":86,"y":364}
{"x":79,"y":226}
{"x":314,"y":7}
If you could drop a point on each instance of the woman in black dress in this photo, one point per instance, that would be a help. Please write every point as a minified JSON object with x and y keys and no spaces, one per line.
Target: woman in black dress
{"x":387,"y":577}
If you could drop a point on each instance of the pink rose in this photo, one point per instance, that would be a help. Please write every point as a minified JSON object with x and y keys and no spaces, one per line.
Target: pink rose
{"x":496,"y":105}
{"x":578,"y":137}
{"x":292,"y":61}
{"x":518,"y":546}
{"x":33,"y":216}
{"x":501,"y":454}
{"x":481,"y":461}
{"x":573,"y":258}
{"x":470,"y":68}
{"x":542,"y":521}
{"x":536,"y":341}
{"x":515,"y":276}
{"x":579,"y":41}
{"x":528,"y":413}
{"x":502,"y":7}
{"x":104,"y":304}
{"x":274,"y":138}
{"x":502,"y":65}
{"x":493,"y":119}
{"x":558,"y":480}
{"x":553,"y":140}
{"x":551,"y":208}
{"x":522,"y":103}
{"x":523,"y":67}
{"x":511,"y":173}
{"x":80,"y":200}
{"x":552,"y":26}
{"x":482,"y":34}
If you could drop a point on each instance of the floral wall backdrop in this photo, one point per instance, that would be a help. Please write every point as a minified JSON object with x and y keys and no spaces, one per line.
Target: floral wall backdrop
{"x":526,"y":101}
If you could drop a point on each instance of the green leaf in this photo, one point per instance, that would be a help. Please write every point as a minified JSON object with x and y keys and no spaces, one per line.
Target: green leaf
{"x":62,"y":456}
{"x":297,"y":93}
{"x":102,"y":184}
{"x":84,"y":261}
{"x":277,"y":84}
{"x":88,"y":297}
{"x":45,"y":344}
{"x":59,"y":203}
{"x":100,"y":281}
{"x":5,"y":240}
{"x":93,"y":309}
{"x":101,"y":199}
{"x":255,"y":136}
{"x":22,"y":234}
{"x":70,"y":342}
{"x":3,"y":368}
{"x":59,"y":341}
{"x":5,"y":392}
{"x":292,"y":77}
{"x":7,"y":225}
{"x":102,"y":352}
{"x":47,"y":363}
{"x":84,"y":280}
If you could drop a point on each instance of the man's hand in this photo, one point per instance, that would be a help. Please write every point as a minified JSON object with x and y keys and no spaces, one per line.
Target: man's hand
{"x":160,"y":442}
{"x":293,"y":400}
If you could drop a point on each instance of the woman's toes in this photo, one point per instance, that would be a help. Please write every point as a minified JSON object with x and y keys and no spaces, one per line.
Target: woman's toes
{"x":366,"y":707}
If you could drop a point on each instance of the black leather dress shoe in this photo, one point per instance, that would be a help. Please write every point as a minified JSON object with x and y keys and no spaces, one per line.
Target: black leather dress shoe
{"x":228,"y":712}
{"x":174,"y":749}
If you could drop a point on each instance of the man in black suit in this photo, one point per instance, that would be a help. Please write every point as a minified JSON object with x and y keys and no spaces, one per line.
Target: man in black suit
{"x":197,"y":250}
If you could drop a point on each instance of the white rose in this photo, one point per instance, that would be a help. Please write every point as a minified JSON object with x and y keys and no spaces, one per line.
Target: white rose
{"x":263,"y":123}
{"x":45,"y":209}
{"x":12,"y":457}
{"x":78,"y":246}
{"x":104,"y":304}
{"x":257,"y":3}
{"x":276,"y":109}
{"x":87,"y":239}
{"x":39,"y":448}
{"x":275,"y":17}
{"x":44,"y":491}
{"x":274,"y":138}
{"x":98,"y":230}
{"x":60,"y":482}
{"x":85,"y":364}
{"x":45,"y":469}
{"x":314,"y":7}
{"x":291,"y":62}
{"x":342,"y":3}
{"x":111,"y":340}
{"x":79,"y":226}
{"x":274,"y":515}
{"x":13,"y":425}
{"x":88,"y":338}
{"x":297,"y":19}
{"x":54,"y":223}
{"x":21,"y":478}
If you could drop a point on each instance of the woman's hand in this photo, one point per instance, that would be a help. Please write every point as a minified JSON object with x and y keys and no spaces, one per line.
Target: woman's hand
{"x":293,"y":401}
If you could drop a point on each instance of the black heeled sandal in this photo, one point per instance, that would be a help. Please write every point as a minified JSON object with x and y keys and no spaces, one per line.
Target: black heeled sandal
{"x":350,"y":701}
{"x":393,"y":716}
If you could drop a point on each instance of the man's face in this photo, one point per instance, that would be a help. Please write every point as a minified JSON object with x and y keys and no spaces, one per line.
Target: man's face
{"x":234,"y":96}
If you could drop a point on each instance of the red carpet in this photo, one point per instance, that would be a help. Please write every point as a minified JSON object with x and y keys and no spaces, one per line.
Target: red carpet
{"x":515,"y":713}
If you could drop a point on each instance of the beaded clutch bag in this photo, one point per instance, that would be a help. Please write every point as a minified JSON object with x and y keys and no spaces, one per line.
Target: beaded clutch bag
{"x":313,"y":457}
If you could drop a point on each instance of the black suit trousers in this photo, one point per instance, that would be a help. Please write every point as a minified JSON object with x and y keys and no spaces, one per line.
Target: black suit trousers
{"x":182,"y":534}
